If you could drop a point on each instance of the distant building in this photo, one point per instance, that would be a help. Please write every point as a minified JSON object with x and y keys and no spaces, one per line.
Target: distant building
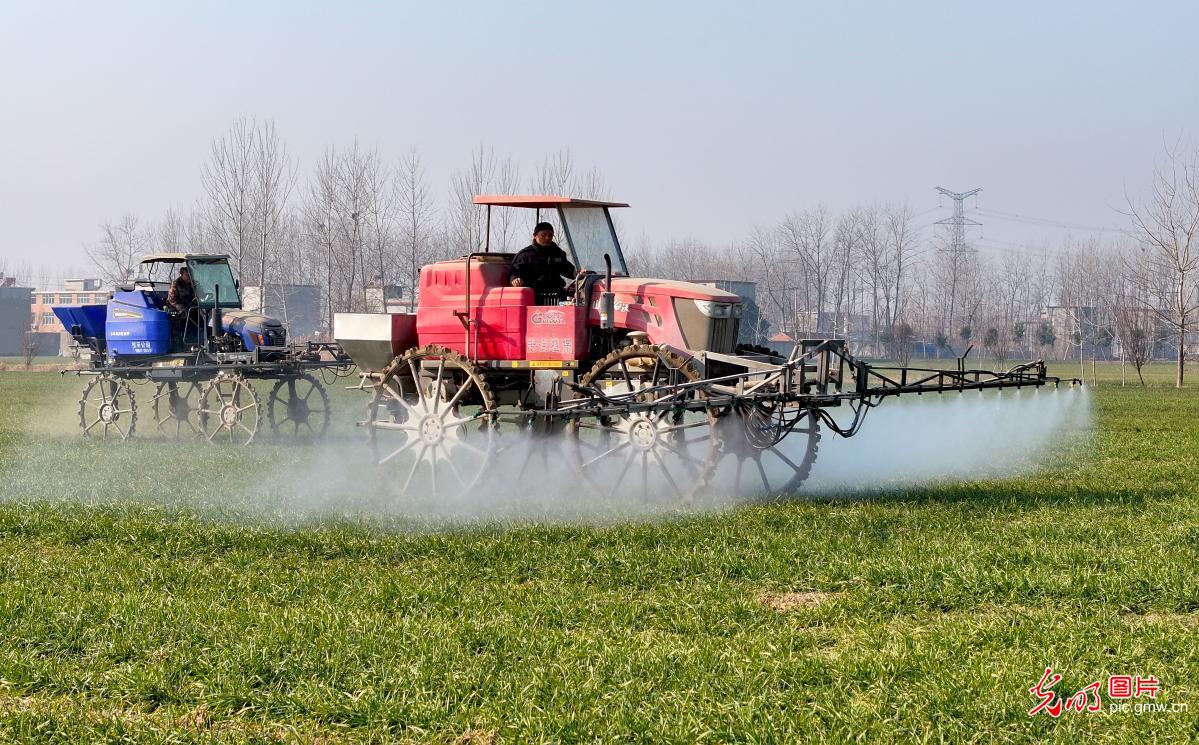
{"x":297,"y":306}
{"x":388,"y":299}
{"x":781,"y":344}
{"x":15,"y":308}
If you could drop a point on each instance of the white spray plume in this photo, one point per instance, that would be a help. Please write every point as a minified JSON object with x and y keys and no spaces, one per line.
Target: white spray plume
{"x":904,"y":441}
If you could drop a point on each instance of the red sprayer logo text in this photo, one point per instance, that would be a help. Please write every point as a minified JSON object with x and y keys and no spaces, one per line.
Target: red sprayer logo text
{"x":548,"y":318}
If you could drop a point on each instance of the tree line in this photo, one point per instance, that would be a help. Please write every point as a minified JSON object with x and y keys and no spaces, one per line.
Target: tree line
{"x":354,"y":222}
{"x":873,"y":273}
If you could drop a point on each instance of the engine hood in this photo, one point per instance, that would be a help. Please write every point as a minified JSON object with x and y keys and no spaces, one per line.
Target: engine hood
{"x":244,"y":320}
{"x":672,"y":288}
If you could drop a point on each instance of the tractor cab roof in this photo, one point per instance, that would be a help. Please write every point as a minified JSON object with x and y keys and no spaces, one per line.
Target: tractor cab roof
{"x":585,"y":224}
{"x":179,"y":258}
{"x":541,"y":201}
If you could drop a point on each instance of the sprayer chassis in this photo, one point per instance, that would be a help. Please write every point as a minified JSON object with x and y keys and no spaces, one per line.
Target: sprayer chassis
{"x":680,"y":424}
{"x":208,"y":394}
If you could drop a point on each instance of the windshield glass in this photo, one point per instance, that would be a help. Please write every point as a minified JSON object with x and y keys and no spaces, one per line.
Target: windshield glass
{"x":591,"y":237}
{"x":209,"y":277}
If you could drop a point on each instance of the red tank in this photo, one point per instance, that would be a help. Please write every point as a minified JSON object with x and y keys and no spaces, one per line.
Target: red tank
{"x":498,"y":308}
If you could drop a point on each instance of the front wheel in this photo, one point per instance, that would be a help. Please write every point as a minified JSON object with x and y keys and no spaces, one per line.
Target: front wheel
{"x":660,"y":454}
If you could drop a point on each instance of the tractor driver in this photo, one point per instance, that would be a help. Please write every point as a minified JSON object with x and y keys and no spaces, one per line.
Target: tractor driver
{"x":181,"y":299}
{"x":543,"y":266}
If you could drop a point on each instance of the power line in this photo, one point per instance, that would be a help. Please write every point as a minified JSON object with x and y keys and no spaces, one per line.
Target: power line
{"x":1047,"y":222}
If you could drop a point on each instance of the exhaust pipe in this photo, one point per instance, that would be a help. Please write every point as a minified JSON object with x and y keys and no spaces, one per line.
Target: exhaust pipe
{"x":607,"y":303}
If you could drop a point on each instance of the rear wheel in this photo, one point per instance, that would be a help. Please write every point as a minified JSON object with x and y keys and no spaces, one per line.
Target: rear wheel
{"x":177,"y":409}
{"x":107,"y":409}
{"x":753,"y":465}
{"x":229,"y":410}
{"x":299,"y":407}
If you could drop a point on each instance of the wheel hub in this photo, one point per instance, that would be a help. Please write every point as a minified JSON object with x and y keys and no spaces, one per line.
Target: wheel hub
{"x":229,"y":415}
{"x":643,"y":434}
{"x":431,"y":429}
{"x":108,"y":412}
{"x":297,"y":410}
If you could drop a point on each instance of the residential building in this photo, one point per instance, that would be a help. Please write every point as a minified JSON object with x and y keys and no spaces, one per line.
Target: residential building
{"x":42,"y":318}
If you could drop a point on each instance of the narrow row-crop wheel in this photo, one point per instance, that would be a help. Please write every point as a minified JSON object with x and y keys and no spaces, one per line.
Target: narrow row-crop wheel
{"x":661,"y":456}
{"x":229,"y":410}
{"x":775,"y":471}
{"x":430,"y":420}
{"x":107,"y":408}
{"x":298,"y":406}
{"x":177,"y":409}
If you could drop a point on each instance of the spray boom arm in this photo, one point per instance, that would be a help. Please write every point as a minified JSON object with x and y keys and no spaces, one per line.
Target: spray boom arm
{"x":818,"y":375}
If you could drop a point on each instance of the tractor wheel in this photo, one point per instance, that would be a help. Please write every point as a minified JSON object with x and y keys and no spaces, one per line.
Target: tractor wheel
{"x":299,"y":406}
{"x":229,"y":410}
{"x":664,"y":456}
{"x":177,"y":409}
{"x":430,"y":418}
{"x":779,"y":470}
{"x":107,"y":408}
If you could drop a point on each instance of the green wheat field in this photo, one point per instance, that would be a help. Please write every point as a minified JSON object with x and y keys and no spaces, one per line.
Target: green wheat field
{"x":165,"y":592}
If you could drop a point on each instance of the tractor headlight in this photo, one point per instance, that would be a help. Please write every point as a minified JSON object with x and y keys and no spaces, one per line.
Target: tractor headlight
{"x":712,"y":309}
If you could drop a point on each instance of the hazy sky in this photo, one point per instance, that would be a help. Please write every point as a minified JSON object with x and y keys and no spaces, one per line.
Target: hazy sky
{"x":708,"y":117}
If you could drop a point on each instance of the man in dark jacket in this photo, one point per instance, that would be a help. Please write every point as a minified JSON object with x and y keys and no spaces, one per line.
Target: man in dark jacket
{"x":543,"y":266}
{"x":181,"y":298}
{"x":182,"y":295}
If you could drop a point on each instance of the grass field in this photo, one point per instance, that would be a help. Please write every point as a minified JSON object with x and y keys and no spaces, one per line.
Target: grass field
{"x":166,"y":593}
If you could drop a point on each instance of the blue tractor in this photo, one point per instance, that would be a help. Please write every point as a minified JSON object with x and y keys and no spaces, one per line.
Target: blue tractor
{"x":202,"y":358}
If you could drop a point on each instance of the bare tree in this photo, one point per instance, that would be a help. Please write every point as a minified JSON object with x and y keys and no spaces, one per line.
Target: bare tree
{"x":555,"y":173}
{"x":274,"y":176}
{"x":170,"y":232}
{"x":228,"y":181}
{"x":467,"y":220}
{"x":805,"y":238}
{"x":29,"y":348}
{"x":1167,"y":226}
{"x":380,"y":222}
{"x":416,"y":216}
{"x":319,"y":208}
{"x":1135,"y":322}
{"x":505,"y":227}
{"x":120,"y":246}
{"x":902,"y":238}
{"x":846,"y":237}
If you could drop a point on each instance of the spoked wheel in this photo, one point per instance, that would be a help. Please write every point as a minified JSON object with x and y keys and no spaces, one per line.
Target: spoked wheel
{"x":430,"y":421}
{"x":177,"y":409}
{"x":108,"y":409}
{"x":664,"y":456}
{"x":298,"y":407}
{"x":229,"y":410}
{"x":751,"y":466}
